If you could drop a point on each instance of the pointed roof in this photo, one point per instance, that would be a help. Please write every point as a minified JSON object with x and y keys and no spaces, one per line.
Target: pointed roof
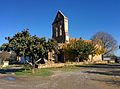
{"x":59,"y":12}
{"x":62,"y":13}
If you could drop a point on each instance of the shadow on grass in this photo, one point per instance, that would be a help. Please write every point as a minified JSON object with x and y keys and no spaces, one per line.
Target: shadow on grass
{"x":112,"y":81}
{"x":9,"y":71}
{"x":111,"y":73}
{"x":102,"y":69}
{"x":100,"y":66}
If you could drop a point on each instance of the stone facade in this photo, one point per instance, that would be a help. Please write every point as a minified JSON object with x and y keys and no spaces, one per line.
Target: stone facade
{"x":61,"y":35}
{"x":60,"y":28}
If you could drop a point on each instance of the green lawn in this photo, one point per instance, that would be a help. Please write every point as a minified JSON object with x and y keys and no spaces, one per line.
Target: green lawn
{"x":38,"y":72}
{"x":51,"y":71}
{"x":45,"y":71}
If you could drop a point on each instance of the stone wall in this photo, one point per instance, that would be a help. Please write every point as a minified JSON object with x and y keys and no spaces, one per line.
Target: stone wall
{"x":55,"y":65}
{"x":59,"y":64}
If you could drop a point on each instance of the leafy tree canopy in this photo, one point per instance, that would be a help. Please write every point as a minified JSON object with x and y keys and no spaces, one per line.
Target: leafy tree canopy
{"x":79,"y":48}
{"x":23,"y":44}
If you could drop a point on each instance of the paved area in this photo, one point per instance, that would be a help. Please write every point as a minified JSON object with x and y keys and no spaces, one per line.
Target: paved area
{"x":93,"y":77}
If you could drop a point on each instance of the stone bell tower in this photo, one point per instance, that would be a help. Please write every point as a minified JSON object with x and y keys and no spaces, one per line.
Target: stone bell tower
{"x":60,"y":28}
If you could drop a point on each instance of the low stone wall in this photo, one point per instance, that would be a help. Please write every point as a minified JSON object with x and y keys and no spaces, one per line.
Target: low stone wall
{"x":51,"y":65}
{"x":104,"y":62}
{"x":58,"y":65}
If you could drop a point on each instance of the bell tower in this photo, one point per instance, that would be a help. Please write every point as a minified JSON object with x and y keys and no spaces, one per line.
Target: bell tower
{"x":60,"y":28}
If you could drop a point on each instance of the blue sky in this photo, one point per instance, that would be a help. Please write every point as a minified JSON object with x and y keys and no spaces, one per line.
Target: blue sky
{"x":86,"y":17}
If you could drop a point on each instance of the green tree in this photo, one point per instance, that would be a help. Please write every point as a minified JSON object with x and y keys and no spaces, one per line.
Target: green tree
{"x":79,"y":49}
{"x":52,"y":45}
{"x":23,"y":44}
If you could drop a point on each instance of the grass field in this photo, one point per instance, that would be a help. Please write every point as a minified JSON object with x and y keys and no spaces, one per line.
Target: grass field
{"x":45,"y":71}
{"x":27,"y":71}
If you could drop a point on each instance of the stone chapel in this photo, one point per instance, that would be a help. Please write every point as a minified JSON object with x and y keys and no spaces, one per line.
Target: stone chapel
{"x":60,"y":28}
{"x":61,"y":35}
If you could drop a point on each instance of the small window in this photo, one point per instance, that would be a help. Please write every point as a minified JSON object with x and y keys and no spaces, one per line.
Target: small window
{"x":61,"y":22}
{"x":56,"y":32}
{"x":60,"y":30}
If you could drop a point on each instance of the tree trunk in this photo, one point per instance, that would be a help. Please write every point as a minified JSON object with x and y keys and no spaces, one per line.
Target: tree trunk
{"x":33,"y":70}
{"x":33,"y":65}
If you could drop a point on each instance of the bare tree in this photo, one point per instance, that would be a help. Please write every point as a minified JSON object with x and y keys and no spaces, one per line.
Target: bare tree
{"x":5,"y":55}
{"x":106,"y":41}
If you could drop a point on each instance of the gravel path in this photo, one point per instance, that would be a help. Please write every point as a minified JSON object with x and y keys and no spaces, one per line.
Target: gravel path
{"x":84,"y":78}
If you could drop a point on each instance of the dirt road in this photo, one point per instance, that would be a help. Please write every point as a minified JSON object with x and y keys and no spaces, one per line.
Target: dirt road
{"x":100,"y":77}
